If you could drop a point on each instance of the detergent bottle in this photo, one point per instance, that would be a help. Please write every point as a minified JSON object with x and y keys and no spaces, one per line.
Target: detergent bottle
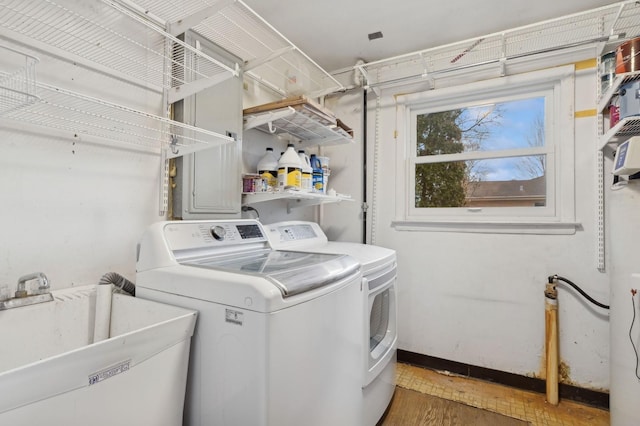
{"x":268,"y":169}
{"x":307,"y":172}
{"x":317,"y":179}
{"x":289,"y":170}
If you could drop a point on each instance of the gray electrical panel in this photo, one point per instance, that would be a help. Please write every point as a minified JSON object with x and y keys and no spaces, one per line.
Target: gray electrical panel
{"x":208,"y":183}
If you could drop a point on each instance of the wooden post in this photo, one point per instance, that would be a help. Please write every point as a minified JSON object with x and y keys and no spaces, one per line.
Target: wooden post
{"x":551,"y":342}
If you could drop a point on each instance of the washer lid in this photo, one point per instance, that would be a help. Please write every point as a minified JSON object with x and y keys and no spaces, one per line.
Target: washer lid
{"x":291,"y":271}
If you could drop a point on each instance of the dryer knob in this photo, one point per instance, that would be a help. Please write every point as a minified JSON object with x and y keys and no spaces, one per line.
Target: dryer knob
{"x":218,"y":233}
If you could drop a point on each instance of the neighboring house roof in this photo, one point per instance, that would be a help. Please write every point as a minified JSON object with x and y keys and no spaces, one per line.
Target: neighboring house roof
{"x":531,"y":188}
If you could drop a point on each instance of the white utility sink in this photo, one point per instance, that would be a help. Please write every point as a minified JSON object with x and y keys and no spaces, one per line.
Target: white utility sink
{"x":52,"y":372}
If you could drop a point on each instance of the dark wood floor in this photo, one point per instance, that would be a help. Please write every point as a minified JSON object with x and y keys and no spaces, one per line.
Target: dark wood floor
{"x":495,"y":398}
{"x":409,"y":408}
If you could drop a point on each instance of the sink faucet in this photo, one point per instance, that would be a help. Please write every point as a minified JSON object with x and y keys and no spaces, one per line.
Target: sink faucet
{"x":23,"y":298}
{"x":43,"y":282}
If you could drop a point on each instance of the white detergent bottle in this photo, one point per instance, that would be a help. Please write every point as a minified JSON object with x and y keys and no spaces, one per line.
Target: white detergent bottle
{"x":268,"y":169}
{"x":307,"y":172}
{"x":289,"y":170}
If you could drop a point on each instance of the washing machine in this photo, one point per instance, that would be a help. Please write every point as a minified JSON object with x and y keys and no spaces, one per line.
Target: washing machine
{"x":277,"y":341}
{"x":379,"y":336}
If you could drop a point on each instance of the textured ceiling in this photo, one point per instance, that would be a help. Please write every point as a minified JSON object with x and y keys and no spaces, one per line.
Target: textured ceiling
{"x":334,"y":32}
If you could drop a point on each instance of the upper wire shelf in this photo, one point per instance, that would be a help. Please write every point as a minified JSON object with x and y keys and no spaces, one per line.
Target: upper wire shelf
{"x":590,"y":28}
{"x":18,"y":81}
{"x":84,"y":115}
{"x":93,"y":30}
{"x":269,"y":57}
{"x":139,"y":52}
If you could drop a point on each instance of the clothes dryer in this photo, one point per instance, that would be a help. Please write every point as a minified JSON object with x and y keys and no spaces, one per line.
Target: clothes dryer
{"x":277,"y":340}
{"x":379,"y":335}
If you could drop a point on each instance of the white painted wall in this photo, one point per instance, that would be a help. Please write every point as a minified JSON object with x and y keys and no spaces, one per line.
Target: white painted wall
{"x":74,"y":207}
{"x":478,"y":298}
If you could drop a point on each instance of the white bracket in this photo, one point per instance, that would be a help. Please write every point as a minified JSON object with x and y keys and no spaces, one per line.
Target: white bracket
{"x":267,"y":118}
{"x":174,"y":150}
{"x":185,"y":90}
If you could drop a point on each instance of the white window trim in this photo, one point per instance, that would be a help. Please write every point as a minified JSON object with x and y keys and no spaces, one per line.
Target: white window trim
{"x":559,"y":220}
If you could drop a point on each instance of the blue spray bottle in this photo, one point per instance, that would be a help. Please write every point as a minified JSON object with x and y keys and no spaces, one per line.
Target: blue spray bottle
{"x":317,"y":180}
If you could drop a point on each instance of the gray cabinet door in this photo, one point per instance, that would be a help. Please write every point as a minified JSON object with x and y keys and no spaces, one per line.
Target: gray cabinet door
{"x":208,"y":183}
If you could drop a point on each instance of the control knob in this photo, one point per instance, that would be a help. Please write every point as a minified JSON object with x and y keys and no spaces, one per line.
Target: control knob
{"x":218,"y":233}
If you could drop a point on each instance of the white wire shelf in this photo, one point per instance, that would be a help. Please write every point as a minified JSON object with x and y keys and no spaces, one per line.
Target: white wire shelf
{"x":595,"y":26}
{"x":149,"y":52}
{"x":269,"y":57}
{"x":303,"y":124}
{"x":301,"y":118}
{"x":618,"y":81}
{"x":116,"y":37}
{"x":17,"y":80}
{"x":623,"y":130}
{"x":295,"y":199}
{"x":83,"y":115}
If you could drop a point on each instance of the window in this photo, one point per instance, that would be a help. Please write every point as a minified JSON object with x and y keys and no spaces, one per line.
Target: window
{"x":494,"y":155}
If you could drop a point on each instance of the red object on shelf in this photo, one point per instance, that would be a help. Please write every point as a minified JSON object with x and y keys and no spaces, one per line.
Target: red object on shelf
{"x":614,"y":115}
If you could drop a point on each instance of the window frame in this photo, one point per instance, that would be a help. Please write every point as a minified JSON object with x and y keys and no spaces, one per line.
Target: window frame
{"x":558,"y":216}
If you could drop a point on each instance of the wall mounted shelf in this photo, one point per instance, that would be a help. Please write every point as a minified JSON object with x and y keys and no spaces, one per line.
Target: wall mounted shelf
{"x":143,"y":52}
{"x":620,"y":22}
{"x":619,"y":80}
{"x":269,"y":57}
{"x":600,"y":26}
{"x":83,"y":115}
{"x":294,"y":199}
{"x":301,"y":118}
{"x":623,"y":130}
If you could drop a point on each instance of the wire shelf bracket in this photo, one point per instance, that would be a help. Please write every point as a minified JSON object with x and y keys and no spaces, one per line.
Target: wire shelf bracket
{"x":17,"y":85}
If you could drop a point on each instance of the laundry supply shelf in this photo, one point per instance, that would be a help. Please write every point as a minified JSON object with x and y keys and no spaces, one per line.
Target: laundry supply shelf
{"x":83,"y":115}
{"x":621,"y":22}
{"x":294,"y":198}
{"x":301,"y":118}
{"x":625,"y":128}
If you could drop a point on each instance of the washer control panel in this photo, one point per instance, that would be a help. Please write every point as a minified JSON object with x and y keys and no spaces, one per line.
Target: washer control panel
{"x":296,"y":232}
{"x":192,"y":235}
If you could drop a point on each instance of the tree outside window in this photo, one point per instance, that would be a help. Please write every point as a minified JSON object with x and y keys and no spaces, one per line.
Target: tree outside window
{"x":493,"y":172}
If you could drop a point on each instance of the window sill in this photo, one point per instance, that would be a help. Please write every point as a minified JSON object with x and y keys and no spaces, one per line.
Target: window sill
{"x":529,"y":227}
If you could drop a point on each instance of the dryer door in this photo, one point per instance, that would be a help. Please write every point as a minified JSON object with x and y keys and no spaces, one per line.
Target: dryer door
{"x":380,"y":326}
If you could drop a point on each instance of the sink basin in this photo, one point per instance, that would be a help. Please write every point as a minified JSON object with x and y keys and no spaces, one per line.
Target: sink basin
{"x":52,"y":372}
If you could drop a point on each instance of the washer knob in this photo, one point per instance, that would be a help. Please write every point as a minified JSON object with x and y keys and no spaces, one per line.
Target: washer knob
{"x":218,"y":233}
